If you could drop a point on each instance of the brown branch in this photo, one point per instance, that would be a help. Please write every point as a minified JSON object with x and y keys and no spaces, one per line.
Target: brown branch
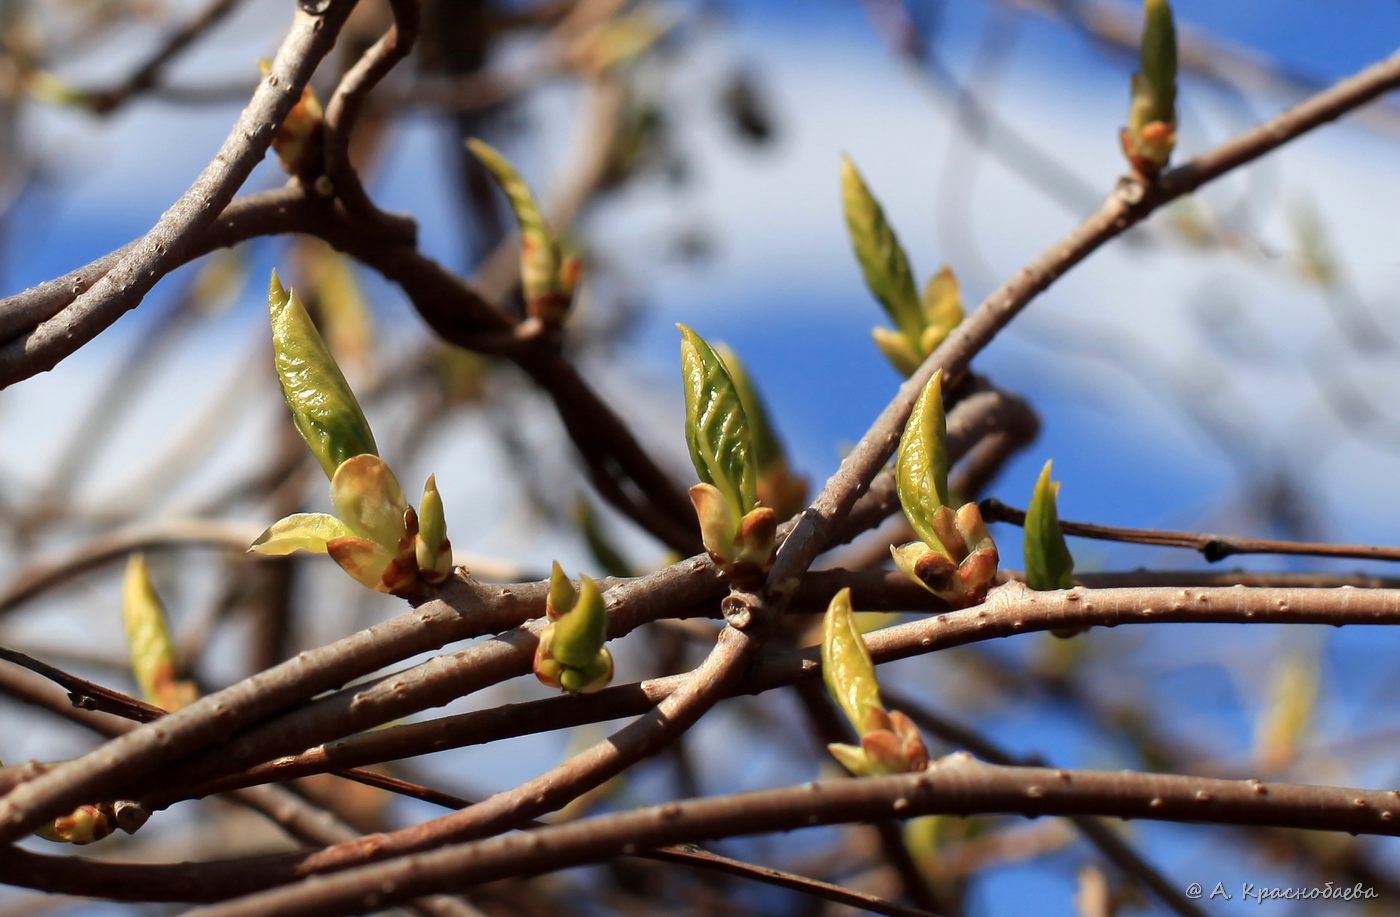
{"x":166,"y":244}
{"x":1212,"y":547}
{"x":1010,"y":609}
{"x":957,"y":785}
{"x":694,"y":857}
{"x":343,"y":111}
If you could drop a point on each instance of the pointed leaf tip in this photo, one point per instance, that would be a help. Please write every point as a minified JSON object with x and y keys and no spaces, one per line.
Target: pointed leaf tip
{"x":921,"y":464}
{"x":323,"y":407}
{"x":717,"y":430}
{"x":1049,"y":564}
{"x":846,"y":666}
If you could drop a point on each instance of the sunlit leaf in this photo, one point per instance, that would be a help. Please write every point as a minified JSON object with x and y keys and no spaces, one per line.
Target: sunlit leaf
{"x":300,"y":532}
{"x":149,"y":646}
{"x":363,"y":559}
{"x":717,"y":431}
{"x":1049,"y":564}
{"x":921,"y":466}
{"x":368,"y":499}
{"x":846,"y":667}
{"x":882,"y":258}
{"x":431,"y":545}
{"x":541,"y":262}
{"x":323,"y":407}
{"x":580,"y":633}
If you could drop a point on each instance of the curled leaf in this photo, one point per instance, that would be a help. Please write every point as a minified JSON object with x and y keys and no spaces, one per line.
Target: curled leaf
{"x":921,"y":466}
{"x":542,"y":277}
{"x":717,"y":430}
{"x":323,"y":407}
{"x":846,"y":667}
{"x":882,"y":258}
{"x":1049,"y":564}
{"x":149,"y":646}
{"x":367,"y":498}
{"x":571,"y":654}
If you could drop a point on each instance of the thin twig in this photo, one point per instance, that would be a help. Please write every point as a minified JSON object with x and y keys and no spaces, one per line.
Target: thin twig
{"x":1211,"y":546}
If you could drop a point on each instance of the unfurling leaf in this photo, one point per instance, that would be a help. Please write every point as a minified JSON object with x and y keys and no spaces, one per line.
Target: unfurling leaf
{"x":1151,"y":132}
{"x":299,"y":139}
{"x":897,"y":349}
{"x":882,"y":258}
{"x":149,"y":646}
{"x":546,"y":278}
{"x":942,"y":309}
{"x":367,"y":497}
{"x":431,"y":546}
{"x":571,"y":654}
{"x":737,"y":532}
{"x":1049,"y":564}
{"x":323,"y":407}
{"x":846,"y":667}
{"x":921,"y":466}
{"x":776,"y":485}
{"x":889,"y":742}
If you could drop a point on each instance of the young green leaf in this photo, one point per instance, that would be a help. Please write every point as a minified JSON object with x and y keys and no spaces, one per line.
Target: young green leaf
{"x":882,"y":258}
{"x":431,"y":546}
{"x":766,"y":447}
{"x":301,"y":532}
{"x":1158,"y":59}
{"x":921,"y":466}
{"x":580,"y":633}
{"x":1049,"y":564}
{"x":323,"y":407}
{"x":562,"y":595}
{"x":1151,"y":132}
{"x":776,"y":486}
{"x":149,"y":646}
{"x":541,"y":262}
{"x":942,"y":309}
{"x":367,"y":497}
{"x":846,"y":667}
{"x":717,"y":430}
{"x":571,"y":652}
